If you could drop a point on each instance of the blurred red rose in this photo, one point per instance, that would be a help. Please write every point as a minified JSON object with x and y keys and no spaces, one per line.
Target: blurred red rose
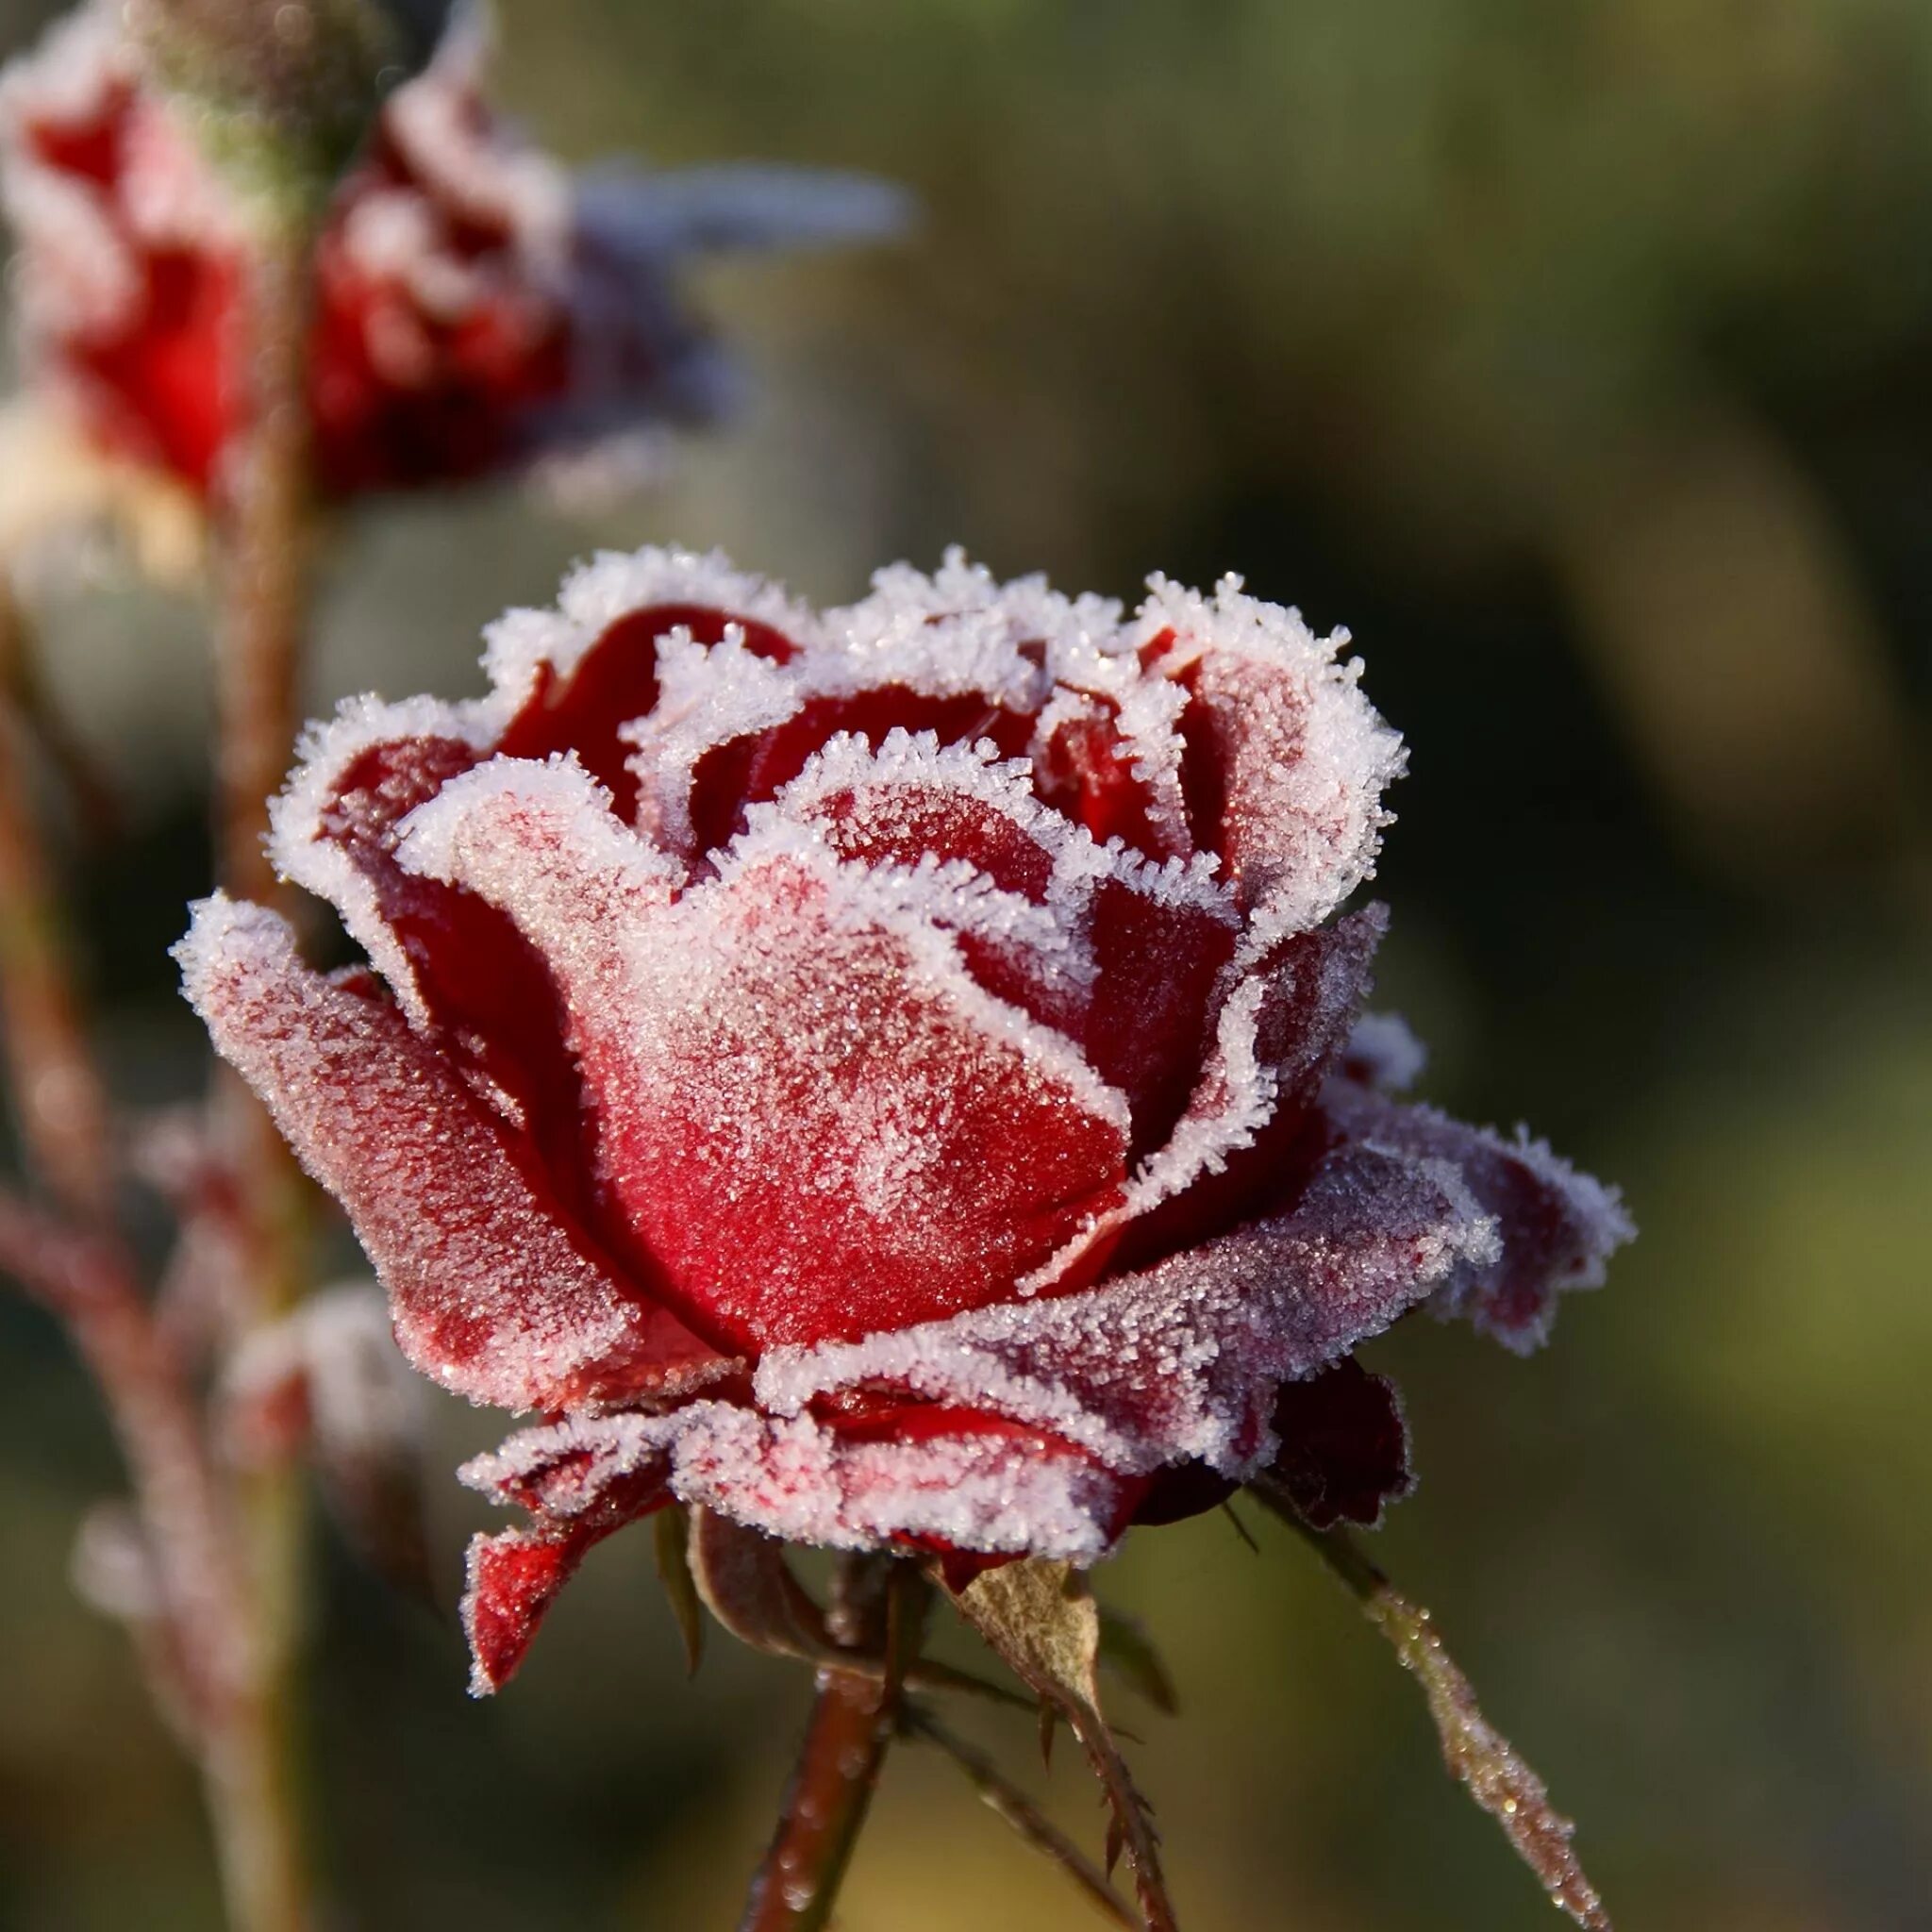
{"x":891,"y":1076}
{"x":477,"y":306}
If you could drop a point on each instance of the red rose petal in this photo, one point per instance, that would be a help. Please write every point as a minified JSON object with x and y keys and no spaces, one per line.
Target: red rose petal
{"x":615,"y":683}
{"x":1246,"y":1145}
{"x":807,"y":1112}
{"x":492,"y":1294}
{"x":1182,"y":1361}
{"x":1344,"y":1454}
{"x":1126,"y":959}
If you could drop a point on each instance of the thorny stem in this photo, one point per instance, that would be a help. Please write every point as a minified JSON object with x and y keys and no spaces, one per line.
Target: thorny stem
{"x":854,"y":1719}
{"x":88,"y":1281}
{"x":1010,"y":1803}
{"x":1476,"y":1753}
{"x":266,"y":559}
{"x":63,"y":1114}
{"x":24,"y":689}
{"x":266,"y":529}
{"x":210,"y":1634}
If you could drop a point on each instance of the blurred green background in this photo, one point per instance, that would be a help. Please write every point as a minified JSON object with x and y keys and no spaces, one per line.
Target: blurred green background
{"x":1578,"y":357}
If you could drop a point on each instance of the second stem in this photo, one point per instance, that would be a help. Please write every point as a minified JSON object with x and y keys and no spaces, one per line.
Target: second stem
{"x":266,"y":554}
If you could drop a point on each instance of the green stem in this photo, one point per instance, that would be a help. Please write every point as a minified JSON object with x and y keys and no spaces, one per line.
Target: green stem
{"x":267,"y":529}
{"x":228,"y":1610}
{"x":57,"y":1091}
{"x":1490,"y":1767}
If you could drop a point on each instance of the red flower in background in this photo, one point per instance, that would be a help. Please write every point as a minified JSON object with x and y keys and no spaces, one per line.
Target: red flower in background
{"x":477,"y":307}
{"x":892,"y":1076}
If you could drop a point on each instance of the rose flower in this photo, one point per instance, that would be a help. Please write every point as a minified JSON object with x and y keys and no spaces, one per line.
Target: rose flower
{"x":894,"y":1078}
{"x":477,"y":307}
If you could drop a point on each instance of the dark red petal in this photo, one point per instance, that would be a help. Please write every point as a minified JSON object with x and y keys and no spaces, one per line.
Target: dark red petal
{"x":1086,"y":769}
{"x":1345,"y":1447}
{"x":1183,"y":1490}
{"x":931,"y":1479}
{"x":485,"y":991}
{"x":898,"y":820}
{"x":916,"y":1474}
{"x":1154,"y":945}
{"x":1557,"y":1228}
{"x":492,"y":1293}
{"x":1344,"y":1454}
{"x":753,"y":770}
{"x":1147,"y":1031}
{"x":760,"y":1159}
{"x":514,"y":1577}
{"x":614,"y":684}
{"x":1264,"y":1144}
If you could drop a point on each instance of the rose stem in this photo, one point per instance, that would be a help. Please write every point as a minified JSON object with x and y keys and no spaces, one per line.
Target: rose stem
{"x":1010,"y":1803}
{"x":1486,"y":1764}
{"x":63,"y":1113}
{"x":853,"y":1720}
{"x":94,"y":801}
{"x":90,"y":1282}
{"x":266,"y":520}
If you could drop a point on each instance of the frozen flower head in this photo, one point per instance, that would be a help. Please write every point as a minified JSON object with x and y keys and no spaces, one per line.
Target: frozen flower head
{"x":477,"y":307}
{"x":895,"y":1077}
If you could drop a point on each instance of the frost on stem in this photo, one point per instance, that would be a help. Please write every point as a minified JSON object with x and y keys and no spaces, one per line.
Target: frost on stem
{"x":1490,"y":1768}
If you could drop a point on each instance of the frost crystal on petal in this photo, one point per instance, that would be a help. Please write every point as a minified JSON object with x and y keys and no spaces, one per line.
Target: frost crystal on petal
{"x":1556,"y":1228}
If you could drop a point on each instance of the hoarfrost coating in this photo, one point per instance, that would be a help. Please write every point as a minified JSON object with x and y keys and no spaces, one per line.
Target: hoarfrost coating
{"x":895,"y":1076}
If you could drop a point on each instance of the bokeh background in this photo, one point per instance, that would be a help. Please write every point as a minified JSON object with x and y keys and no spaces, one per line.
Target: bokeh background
{"x":1579,"y":359}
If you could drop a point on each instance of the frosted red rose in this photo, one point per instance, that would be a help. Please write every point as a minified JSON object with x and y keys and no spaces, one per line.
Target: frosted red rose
{"x":476,"y":308}
{"x":893,"y":1077}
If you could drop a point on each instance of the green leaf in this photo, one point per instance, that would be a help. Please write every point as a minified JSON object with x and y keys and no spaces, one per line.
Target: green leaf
{"x":671,"y":1529}
{"x":1041,"y":1620}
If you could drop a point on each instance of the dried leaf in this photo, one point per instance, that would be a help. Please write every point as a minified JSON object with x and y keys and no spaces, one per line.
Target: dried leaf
{"x":1478,"y":1754}
{"x":1009,"y":1803}
{"x":670,"y":1532}
{"x":1041,"y":1620}
{"x":1128,"y":1652}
